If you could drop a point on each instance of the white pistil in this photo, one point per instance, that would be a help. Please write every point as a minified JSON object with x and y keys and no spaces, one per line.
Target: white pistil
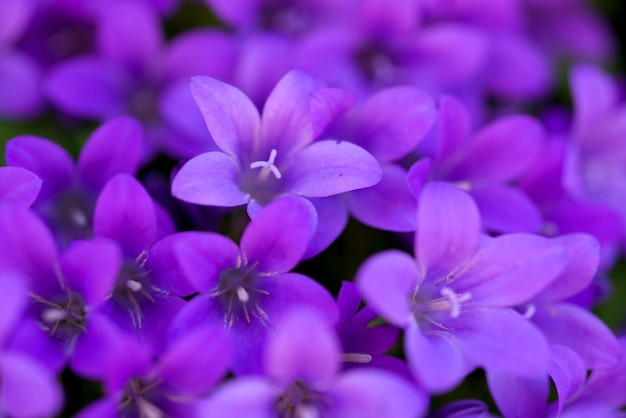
{"x":358,"y":358}
{"x":464,"y":185}
{"x":52,"y":315}
{"x":134,"y":285}
{"x":242,"y":295}
{"x":455,"y":300}
{"x":307,"y":411}
{"x":530,"y":311}
{"x":79,"y":217}
{"x":268,"y":165}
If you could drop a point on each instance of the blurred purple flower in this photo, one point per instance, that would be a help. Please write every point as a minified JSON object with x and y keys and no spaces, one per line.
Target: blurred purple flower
{"x":19,"y":186}
{"x":302,"y":378}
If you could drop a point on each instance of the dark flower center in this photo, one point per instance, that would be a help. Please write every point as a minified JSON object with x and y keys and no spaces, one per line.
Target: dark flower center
{"x":69,"y":215}
{"x":64,"y":318}
{"x":433,"y":305}
{"x":141,"y":398}
{"x":376,"y":64}
{"x":301,"y":401}
{"x":283,"y":16}
{"x":134,"y":289}
{"x":240,"y":295}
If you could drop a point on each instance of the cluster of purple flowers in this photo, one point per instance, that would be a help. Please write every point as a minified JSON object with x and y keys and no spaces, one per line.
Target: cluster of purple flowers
{"x":175,"y":264}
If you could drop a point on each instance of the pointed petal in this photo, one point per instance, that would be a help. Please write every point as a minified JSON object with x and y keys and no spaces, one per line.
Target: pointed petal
{"x":606,"y":385}
{"x":332,"y":218}
{"x":386,"y":280}
{"x":88,"y":87}
{"x":594,"y":96}
{"x":392,"y":122}
{"x":232,"y":119}
{"x":507,"y":209}
{"x":303,"y":348}
{"x":418,"y":175}
{"x":27,"y":246}
{"x":580,"y":330}
{"x":454,"y":127}
{"x":19,"y":186}
{"x":194,"y":364}
{"x":277,"y":238}
{"x":448,"y":227}
{"x":128,"y":33}
{"x":583,"y":257}
{"x":568,"y":372}
{"x":501,"y":151}
{"x":28,"y":388}
{"x":203,"y":255}
{"x":327,"y":104}
{"x":511,"y":269}
{"x":490,"y":338}
{"x":209,"y":179}
{"x":388,"y":205}
{"x":13,"y":300}
{"x":326,"y":168}
{"x":348,"y":300}
{"x":91,"y":268}
{"x":376,"y":393}
{"x":519,"y":397}
{"x":286,"y":123}
{"x":125,"y":213}
{"x":44,"y":158}
{"x":435,"y":358}
{"x":115,"y":147}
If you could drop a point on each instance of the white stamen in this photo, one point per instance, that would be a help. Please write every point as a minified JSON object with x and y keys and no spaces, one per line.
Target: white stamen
{"x":530,"y":311}
{"x":307,"y":411}
{"x":359,"y":358}
{"x":269,"y":164}
{"x":455,"y":300}
{"x":52,"y":315}
{"x":243,"y":296}
{"x":78,"y":216}
{"x":134,"y":285}
{"x":148,"y":410}
{"x":464,"y":185}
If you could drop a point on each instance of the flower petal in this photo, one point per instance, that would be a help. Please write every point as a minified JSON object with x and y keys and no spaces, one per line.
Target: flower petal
{"x":519,"y":397}
{"x":332,"y":217}
{"x":454,"y":127}
{"x":448,"y":228}
{"x":19,"y":186}
{"x":303,"y":348}
{"x":507,"y":209}
{"x":13,"y":300}
{"x":372,"y":393}
{"x":115,"y":147}
{"x":209,"y":179}
{"x":28,"y":388}
{"x":490,"y":338}
{"x":278,"y":236}
{"x":327,"y":168}
{"x":568,"y":373}
{"x":251,"y":397}
{"x":388,"y":205}
{"x":44,"y":158}
{"x":392,"y":122}
{"x":578,"y":329}
{"x":20,"y":77}
{"x":511,"y":269}
{"x":232,"y":119}
{"x":435,"y":358}
{"x":386,"y":280}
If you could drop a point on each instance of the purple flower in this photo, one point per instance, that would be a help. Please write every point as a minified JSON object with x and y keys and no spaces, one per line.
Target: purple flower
{"x":248,"y":289}
{"x":27,"y":388}
{"x":485,"y":164}
{"x":66,"y":291}
{"x":149,"y":286}
{"x":302,"y":379}
{"x":274,"y":155}
{"x":453,"y":300}
{"x":137,"y":384}
{"x":68,"y":192}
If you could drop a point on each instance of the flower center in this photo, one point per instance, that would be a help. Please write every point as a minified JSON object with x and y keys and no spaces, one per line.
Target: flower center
{"x":138,"y":399}
{"x":134,"y":289}
{"x":65,"y":318}
{"x":268,"y":166}
{"x":240,"y":295}
{"x":449,"y":301}
{"x":300,"y":401}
